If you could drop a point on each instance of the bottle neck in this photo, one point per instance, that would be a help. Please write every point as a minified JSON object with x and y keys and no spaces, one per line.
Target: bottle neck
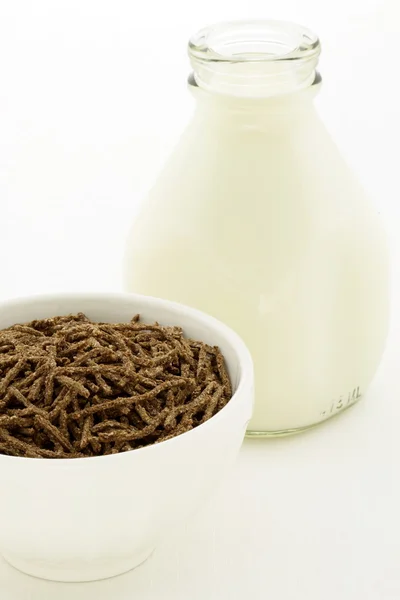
{"x":254,"y":60}
{"x":241,"y":109}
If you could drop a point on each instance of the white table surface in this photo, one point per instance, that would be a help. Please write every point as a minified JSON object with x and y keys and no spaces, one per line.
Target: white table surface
{"x":311,"y":517}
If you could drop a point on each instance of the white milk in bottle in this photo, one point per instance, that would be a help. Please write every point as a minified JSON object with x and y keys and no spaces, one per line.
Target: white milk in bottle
{"x":257,"y":220}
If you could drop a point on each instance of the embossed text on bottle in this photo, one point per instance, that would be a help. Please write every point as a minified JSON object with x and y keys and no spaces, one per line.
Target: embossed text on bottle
{"x":342,"y":402}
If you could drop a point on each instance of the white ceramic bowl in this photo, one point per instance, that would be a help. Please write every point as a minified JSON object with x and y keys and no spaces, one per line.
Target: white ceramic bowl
{"x":91,"y":518}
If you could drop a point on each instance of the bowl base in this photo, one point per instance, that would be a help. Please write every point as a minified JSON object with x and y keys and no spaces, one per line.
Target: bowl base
{"x":79,"y":571}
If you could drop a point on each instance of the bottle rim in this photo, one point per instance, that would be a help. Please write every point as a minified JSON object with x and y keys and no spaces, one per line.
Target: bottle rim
{"x":254,"y":58}
{"x":254,"y":41}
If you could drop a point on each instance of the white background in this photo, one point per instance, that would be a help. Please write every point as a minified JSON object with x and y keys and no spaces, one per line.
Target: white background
{"x":92,"y":99}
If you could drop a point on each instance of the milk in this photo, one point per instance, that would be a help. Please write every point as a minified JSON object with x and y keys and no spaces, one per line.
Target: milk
{"x":257,"y":220}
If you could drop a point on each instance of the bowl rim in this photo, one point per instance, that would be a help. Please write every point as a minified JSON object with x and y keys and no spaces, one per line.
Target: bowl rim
{"x":245,"y":360}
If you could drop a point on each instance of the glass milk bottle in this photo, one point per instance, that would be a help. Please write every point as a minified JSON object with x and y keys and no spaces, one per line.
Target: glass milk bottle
{"x":257,"y":220}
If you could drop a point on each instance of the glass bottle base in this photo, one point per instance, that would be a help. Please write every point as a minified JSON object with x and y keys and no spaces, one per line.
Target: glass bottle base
{"x":251,"y":433}
{"x":77,"y":572}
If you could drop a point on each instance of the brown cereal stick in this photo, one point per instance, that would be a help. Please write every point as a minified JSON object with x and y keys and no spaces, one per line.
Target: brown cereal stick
{"x":53,"y":432}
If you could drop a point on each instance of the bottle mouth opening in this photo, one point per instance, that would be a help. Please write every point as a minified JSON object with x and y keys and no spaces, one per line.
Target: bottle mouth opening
{"x":253,"y":41}
{"x":238,"y":57}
